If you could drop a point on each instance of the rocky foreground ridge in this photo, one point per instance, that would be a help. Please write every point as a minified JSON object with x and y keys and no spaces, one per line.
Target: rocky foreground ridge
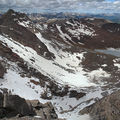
{"x":107,"y":108}
{"x":14,"y":107}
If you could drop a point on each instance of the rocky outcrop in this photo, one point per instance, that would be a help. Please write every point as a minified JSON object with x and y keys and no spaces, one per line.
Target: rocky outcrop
{"x":46,"y":111}
{"x":75,"y":94}
{"x":57,"y":90}
{"x":61,"y":91}
{"x":11,"y":105}
{"x":107,"y":108}
{"x":15,"y":107}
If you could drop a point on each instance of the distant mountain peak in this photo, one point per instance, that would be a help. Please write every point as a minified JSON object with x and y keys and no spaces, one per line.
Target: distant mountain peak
{"x":10,"y":11}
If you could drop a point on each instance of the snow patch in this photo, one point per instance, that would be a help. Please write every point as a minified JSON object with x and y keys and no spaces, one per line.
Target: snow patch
{"x":82,"y":30}
{"x":63,"y":35}
{"x":24,"y":23}
{"x":21,"y":85}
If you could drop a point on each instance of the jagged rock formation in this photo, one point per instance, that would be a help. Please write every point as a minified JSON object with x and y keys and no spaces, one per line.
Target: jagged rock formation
{"x":13,"y":105}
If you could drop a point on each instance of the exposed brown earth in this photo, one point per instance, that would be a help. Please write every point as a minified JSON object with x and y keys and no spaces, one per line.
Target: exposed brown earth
{"x":97,"y":21}
{"x":95,"y":60}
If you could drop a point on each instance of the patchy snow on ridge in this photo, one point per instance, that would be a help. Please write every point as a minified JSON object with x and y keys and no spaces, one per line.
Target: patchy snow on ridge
{"x":98,"y":73}
{"x":24,"y":23}
{"x":80,"y":29}
{"x":70,"y":23}
{"x":90,"y":19}
{"x":63,"y":35}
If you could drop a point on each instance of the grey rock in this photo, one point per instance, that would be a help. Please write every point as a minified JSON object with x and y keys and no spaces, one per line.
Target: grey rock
{"x":18,"y":104}
{"x":107,"y":108}
{"x":13,"y":107}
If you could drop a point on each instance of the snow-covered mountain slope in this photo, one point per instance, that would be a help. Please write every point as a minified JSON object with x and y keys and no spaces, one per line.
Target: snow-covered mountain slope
{"x":46,"y":63}
{"x":87,"y":33}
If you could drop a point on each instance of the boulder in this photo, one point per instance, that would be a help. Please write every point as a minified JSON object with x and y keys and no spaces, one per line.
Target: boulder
{"x":75,"y":94}
{"x":17,"y":104}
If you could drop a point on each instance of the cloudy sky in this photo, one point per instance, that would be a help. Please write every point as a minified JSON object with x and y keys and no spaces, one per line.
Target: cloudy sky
{"x":81,"y":6}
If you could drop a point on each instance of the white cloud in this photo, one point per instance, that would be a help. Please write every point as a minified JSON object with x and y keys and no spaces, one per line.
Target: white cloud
{"x":60,"y":5}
